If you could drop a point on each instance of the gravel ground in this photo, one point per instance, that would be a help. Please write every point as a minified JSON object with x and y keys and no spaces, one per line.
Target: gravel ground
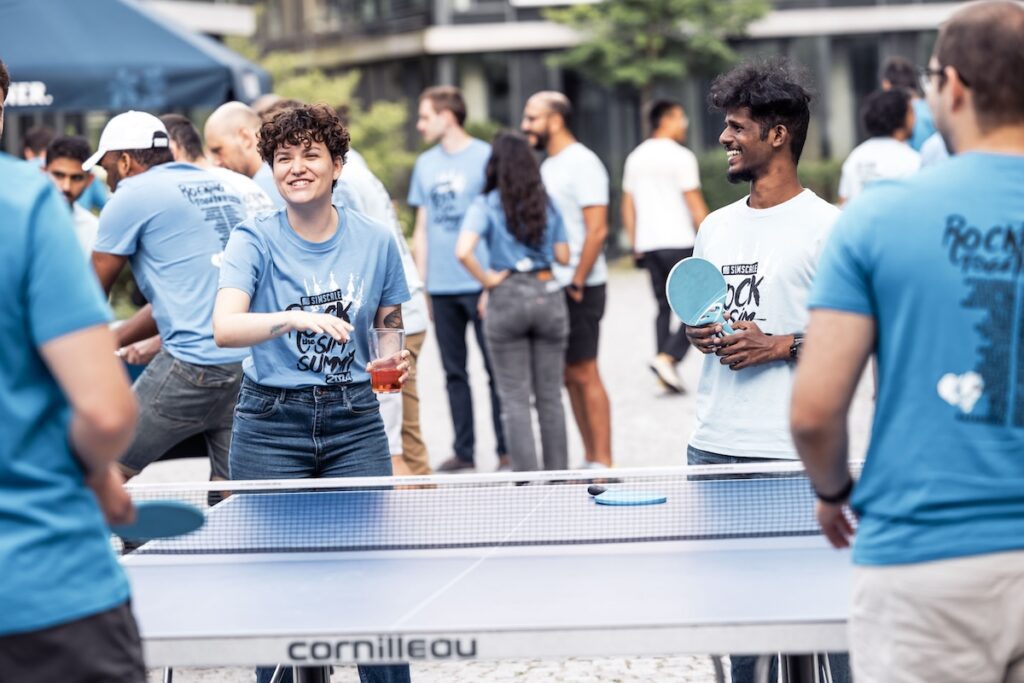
{"x":650,"y":428}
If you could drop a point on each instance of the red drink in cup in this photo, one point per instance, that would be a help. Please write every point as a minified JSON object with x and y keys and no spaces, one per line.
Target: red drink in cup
{"x":386,"y":346}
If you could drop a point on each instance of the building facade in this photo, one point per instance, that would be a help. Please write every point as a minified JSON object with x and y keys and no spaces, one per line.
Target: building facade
{"x":497,"y":50}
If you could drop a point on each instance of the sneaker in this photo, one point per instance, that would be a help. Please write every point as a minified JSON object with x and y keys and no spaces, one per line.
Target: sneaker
{"x":666,"y":373}
{"x":503,"y":465}
{"x":594,"y":465}
{"x":455,"y":464}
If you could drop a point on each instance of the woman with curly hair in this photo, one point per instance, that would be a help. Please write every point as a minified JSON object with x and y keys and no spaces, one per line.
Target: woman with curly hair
{"x":526,"y":323}
{"x":302,"y":287}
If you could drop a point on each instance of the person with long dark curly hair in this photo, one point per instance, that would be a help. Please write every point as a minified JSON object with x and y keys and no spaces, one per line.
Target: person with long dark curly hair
{"x":303,"y":286}
{"x":527,"y":323}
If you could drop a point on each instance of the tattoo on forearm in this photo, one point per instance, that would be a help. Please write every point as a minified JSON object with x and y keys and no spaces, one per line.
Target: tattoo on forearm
{"x":276,"y":329}
{"x":394,"y":319}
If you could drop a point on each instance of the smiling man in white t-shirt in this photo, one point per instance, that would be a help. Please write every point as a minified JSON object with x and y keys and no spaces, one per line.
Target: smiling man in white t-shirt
{"x":662,"y":207}
{"x":767,"y":246}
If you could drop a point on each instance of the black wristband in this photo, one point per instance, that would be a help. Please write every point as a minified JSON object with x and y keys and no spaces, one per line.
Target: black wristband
{"x":836,"y":498}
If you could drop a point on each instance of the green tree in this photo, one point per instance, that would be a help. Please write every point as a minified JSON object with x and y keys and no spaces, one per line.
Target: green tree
{"x":639,"y":43}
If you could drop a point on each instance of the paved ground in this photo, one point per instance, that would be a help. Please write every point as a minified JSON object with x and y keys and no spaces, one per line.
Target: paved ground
{"x":650,"y":428}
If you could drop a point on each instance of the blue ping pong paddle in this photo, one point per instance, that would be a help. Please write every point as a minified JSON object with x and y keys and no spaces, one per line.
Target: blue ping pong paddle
{"x":696,"y":292}
{"x":160,"y":519}
{"x":623,"y":497}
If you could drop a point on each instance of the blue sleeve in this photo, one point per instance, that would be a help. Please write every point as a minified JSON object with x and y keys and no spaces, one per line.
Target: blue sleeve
{"x":476,"y":219}
{"x":395,"y":290}
{"x":417,"y":197}
{"x":243,"y":261}
{"x":843,"y":278}
{"x":62,"y":293}
{"x":592,"y":184}
{"x":121,"y":224}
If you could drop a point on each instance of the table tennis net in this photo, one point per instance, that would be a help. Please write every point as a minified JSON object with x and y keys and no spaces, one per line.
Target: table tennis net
{"x":471,"y":511}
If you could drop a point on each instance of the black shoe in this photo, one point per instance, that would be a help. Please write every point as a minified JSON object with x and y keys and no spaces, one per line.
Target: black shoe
{"x":455,"y":464}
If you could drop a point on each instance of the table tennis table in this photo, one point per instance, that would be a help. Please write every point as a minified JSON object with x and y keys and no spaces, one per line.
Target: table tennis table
{"x":516,"y":566}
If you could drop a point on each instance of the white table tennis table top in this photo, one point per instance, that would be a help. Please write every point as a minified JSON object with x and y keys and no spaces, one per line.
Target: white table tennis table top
{"x":686,"y":594}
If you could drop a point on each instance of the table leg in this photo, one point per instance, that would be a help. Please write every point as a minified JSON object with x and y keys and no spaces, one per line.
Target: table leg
{"x":311,"y":674}
{"x":801,"y":668}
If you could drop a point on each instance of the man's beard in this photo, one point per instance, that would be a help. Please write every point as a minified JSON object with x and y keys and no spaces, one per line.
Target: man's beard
{"x":541,"y":141}
{"x":743,"y":175}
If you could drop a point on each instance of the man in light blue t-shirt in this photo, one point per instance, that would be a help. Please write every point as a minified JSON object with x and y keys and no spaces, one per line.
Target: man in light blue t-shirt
{"x":171,"y":221}
{"x":927,"y":272}
{"x":445,"y":180}
{"x":67,"y":414}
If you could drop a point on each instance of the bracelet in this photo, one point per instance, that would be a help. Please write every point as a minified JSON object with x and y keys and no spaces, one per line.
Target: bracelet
{"x":835,"y":498}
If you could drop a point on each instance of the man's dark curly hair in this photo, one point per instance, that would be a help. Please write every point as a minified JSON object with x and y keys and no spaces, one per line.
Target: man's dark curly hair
{"x":774,"y":91}
{"x":885,"y":111}
{"x":304,"y":125}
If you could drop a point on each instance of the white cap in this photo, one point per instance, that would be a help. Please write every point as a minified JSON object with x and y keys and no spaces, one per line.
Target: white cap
{"x":130,"y":130}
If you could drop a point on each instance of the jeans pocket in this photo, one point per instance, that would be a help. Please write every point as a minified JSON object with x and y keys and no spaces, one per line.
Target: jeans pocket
{"x":256,"y":406}
{"x":190,"y":393}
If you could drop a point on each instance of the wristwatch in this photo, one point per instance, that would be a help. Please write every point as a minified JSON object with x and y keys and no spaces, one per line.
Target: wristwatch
{"x":836,"y":498}
{"x":794,"y":348}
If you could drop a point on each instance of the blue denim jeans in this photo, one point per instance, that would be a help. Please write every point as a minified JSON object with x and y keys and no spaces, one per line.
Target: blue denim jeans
{"x":744,"y":666}
{"x":330,"y":431}
{"x":178,"y":400}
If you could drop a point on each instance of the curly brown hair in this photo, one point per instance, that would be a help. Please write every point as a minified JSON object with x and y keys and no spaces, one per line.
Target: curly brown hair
{"x":304,"y":125}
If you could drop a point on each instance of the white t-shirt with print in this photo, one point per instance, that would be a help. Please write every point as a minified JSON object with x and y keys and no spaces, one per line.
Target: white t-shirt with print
{"x":768,"y":257}
{"x":575,"y":178}
{"x":876,"y":159}
{"x":657,"y":173}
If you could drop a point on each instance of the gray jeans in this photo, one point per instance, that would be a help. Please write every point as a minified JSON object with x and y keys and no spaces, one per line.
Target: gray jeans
{"x":527,"y":329}
{"x":178,"y":400}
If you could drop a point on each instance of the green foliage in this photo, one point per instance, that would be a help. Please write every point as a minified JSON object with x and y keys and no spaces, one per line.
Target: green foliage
{"x":637,"y":43}
{"x":483,"y":130}
{"x":820,"y":176}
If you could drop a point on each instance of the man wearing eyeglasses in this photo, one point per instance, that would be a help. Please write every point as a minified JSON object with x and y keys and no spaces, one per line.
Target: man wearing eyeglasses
{"x":928,"y":273}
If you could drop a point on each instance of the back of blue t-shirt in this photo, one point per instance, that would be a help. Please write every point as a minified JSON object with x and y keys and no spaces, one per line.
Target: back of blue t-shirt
{"x":173,"y":221}
{"x":351,"y":275}
{"x":938,"y":261}
{"x":486,"y":217}
{"x":56,"y":563}
{"x":446,"y":184}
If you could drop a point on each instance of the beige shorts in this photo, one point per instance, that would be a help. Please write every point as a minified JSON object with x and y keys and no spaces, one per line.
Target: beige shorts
{"x":955,"y":621}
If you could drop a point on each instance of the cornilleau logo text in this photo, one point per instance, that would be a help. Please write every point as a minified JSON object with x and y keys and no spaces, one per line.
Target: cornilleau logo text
{"x":383,"y":649}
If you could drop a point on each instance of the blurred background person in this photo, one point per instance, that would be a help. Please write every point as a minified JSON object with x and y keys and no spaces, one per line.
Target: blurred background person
{"x":527,"y":322}
{"x":662,"y":208}
{"x":899,"y":73}
{"x":63,"y":162}
{"x":888,"y":119}
{"x":577,"y":182}
{"x":445,"y":180}
{"x":34,"y":143}
{"x":231,"y":139}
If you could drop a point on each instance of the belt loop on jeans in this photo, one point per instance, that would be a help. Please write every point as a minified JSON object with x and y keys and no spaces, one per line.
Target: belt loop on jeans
{"x":282,"y":395}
